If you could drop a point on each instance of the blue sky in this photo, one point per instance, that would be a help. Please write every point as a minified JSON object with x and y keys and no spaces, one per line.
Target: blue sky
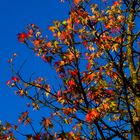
{"x":15,"y":15}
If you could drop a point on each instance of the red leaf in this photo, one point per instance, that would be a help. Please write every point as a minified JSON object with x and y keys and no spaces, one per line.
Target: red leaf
{"x":92,"y":115}
{"x":22,"y":36}
{"x":37,"y":137}
{"x":88,"y":118}
{"x":8,"y":82}
{"x":71,"y":83}
{"x":116,"y":3}
{"x":74,"y":73}
{"x":15,"y":79}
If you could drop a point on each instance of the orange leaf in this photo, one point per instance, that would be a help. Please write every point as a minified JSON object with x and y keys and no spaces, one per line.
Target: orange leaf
{"x":77,"y":1}
{"x":37,"y":42}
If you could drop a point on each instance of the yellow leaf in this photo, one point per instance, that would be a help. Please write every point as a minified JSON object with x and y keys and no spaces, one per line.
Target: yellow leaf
{"x":66,"y":121}
{"x":115,"y":47}
{"x":113,"y":105}
{"x":47,"y":94}
{"x":52,"y":28}
{"x":56,"y":44}
{"x":64,"y":22}
{"x":38,"y":34}
{"x":21,"y":91}
{"x":61,"y":100}
{"x":48,"y":89}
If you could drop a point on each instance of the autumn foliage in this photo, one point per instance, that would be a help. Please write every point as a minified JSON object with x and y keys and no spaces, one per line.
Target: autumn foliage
{"x":96,"y":55}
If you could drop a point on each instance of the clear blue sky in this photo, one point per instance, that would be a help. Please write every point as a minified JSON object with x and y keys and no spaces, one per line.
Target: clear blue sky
{"x":14,"y":16}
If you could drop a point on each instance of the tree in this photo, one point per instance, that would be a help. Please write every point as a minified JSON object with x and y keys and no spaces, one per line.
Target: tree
{"x":96,"y":55}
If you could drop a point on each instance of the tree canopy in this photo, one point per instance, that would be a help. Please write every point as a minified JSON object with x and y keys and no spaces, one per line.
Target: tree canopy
{"x":96,"y":55}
